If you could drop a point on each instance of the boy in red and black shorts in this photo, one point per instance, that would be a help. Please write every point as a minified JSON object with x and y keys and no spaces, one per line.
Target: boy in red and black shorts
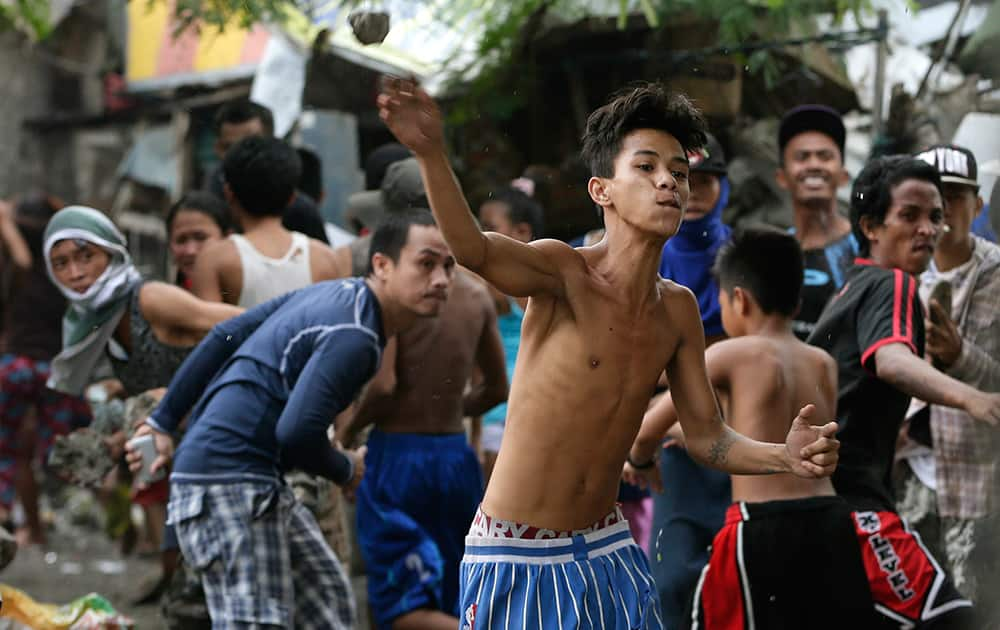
{"x":779,"y":525}
{"x":874,"y":330}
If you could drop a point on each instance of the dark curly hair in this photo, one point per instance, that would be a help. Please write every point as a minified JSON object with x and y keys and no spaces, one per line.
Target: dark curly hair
{"x":871,"y":195}
{"x":643,"y":106}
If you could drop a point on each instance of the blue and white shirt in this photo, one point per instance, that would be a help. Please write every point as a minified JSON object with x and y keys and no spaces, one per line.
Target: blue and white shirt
{"x":266,"y":385}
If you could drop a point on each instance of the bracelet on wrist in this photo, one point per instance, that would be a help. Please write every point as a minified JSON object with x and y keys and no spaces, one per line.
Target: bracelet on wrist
{"x":642,"y":466}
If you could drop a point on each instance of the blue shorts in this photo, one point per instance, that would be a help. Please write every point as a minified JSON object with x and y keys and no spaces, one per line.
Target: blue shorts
{"x":415,"y":505}
{"x":589,"y":581}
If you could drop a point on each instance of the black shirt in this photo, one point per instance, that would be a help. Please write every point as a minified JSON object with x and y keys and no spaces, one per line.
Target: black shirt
{"x":825,"y":273}
{"x":876,"y":307}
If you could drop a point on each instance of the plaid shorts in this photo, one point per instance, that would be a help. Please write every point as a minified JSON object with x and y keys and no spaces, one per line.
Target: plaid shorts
{"x":261,"y":556}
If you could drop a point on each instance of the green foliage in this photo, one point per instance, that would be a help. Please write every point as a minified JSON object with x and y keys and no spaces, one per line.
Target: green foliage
{"x":28,"y":16}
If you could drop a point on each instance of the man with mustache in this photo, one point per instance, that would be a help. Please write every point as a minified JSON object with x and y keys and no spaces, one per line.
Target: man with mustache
{"x":425,"y":482}
{"x":956,"y":512}
{"x":874,"y":329}
{"x":811,"y":168}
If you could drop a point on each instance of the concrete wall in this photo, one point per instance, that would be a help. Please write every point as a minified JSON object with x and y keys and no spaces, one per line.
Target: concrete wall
{"x":23,"y":94}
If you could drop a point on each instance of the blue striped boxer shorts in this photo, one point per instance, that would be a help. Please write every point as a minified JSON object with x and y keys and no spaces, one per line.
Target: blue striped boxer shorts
{"x":598,"y":580}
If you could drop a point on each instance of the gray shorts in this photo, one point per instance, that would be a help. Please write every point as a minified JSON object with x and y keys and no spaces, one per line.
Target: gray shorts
{"x":261,"y":557}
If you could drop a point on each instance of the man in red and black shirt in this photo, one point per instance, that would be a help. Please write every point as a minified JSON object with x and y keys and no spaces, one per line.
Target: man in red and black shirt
{"x":874,"y":330}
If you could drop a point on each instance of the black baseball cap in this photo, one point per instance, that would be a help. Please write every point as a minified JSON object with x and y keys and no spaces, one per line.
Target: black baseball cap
{"x":821,"y":118}
{"x":955,"y":164}
{"x":708,"y":159}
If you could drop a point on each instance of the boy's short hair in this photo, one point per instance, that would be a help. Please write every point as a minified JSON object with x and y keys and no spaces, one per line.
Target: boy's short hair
{"x":767,"y":263}
{"x":645,"y":106}
{"x":262,"y":173}
{"x":521,"y":209}
{"x":240,"y":111}
{"x":871,"y":195}
{"x":393,"y":231}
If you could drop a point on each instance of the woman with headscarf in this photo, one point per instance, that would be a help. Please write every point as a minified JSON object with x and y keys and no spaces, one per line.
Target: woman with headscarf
{"x":146,"y":329}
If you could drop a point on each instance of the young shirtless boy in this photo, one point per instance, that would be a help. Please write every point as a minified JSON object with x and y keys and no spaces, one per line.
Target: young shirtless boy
{"x":600,"y":327}
{"x":762,"y":374}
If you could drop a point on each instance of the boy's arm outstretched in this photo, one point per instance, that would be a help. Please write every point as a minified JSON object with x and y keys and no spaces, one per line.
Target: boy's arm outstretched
{"x":513,"y":267}
{"x":809,"y":451}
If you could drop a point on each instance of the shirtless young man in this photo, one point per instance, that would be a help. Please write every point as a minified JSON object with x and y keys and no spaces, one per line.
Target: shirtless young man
{"x":261,"y":174}
{"x":762,"y":374}
{"x":599,"y":329}
{"x":424,"y":481}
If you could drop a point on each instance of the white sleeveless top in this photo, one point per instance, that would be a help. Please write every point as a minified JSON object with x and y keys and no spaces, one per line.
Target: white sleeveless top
{"x":266,"y":278}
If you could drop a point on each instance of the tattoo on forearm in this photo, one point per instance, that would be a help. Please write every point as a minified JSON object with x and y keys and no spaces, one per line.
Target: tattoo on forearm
{"x":718,"y":453}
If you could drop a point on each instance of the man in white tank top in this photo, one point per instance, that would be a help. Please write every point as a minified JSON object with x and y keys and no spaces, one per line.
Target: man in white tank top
{"x":266,"y":260}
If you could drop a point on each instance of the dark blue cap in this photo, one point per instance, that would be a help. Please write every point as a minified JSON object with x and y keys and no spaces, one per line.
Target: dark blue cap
{"x":821,"y":118}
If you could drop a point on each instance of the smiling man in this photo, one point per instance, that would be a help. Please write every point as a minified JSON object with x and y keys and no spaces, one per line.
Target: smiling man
{"x":811,"y":168}
{"x":874,"y":329}
{"x":548,"y":543}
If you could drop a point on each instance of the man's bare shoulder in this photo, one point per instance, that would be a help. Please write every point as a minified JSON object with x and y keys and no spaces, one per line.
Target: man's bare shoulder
{"x":319,"y":246}
{"x":326,"y":262}
{"x":560,"y":252}
{"x":219,"y":253}
{"x":751,"y":359}
{"x":678,"y":300}
{"x":735,"y":352}
{"x":473,"y":286}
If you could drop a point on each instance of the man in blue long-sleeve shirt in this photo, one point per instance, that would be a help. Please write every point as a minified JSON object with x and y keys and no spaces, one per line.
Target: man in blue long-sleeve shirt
{"x":264,"y":388}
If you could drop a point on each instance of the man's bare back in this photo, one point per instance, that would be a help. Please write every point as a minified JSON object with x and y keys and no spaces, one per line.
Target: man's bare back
{"x":421,"y":386}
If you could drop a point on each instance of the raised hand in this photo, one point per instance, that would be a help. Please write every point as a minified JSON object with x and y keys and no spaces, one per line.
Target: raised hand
{"x":412,"y":115}
{"x":812,"y":451}
{"x":942,"y":339}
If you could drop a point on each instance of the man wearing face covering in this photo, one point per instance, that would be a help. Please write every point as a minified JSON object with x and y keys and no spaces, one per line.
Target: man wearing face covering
{"x":688,"y":256}
{"x":692,"y":506}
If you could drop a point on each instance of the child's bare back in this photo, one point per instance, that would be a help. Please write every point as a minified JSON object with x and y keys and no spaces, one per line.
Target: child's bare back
{"x":763,"y":381}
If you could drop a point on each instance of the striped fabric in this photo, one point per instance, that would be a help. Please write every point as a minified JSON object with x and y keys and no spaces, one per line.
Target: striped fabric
{"x":600,"y":580}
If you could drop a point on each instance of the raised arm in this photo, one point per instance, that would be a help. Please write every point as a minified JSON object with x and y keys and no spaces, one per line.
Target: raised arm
{"x":13,"y":240}
{"x":809,"y":451}
{"x":515,"y":268}
{"x":896,"y":364}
